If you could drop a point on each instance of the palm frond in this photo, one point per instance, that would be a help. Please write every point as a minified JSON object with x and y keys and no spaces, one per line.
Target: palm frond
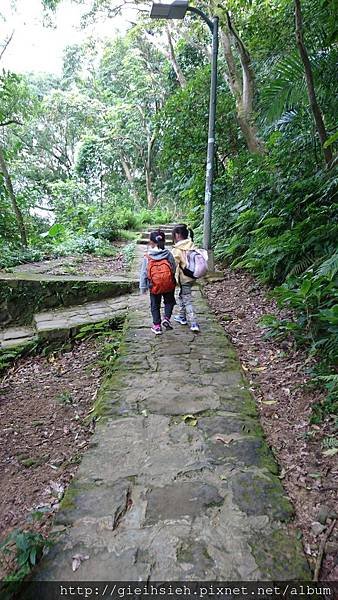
{"x":286,"y":90}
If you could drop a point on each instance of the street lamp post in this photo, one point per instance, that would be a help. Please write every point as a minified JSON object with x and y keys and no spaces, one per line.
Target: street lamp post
{"x":178,"y":10}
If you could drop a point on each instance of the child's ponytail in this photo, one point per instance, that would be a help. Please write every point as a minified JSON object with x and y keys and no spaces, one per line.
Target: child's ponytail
{"x":158,"y":237}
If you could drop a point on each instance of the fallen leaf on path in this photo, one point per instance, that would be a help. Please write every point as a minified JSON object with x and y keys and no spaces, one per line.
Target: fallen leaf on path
{"x":77,"y":559}
{"x":190,"y":420}
{"x":225,"y":439}
{"x":57,"y":489}
{"x":269,"y":402}
{"x":330,"y":452}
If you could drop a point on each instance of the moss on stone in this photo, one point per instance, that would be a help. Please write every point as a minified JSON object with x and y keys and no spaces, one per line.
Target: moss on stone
{"x":279,"y":554}
{"x":258,"y":494}
{"x":68,"y":501}
{"x":112,"y":381}
{"x":184,"y":554}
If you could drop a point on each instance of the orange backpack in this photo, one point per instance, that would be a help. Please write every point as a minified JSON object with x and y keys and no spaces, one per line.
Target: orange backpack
{"x":160,"y":276}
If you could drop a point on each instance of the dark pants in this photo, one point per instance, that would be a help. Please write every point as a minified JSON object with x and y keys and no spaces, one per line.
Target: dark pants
{"x":155,"y":305}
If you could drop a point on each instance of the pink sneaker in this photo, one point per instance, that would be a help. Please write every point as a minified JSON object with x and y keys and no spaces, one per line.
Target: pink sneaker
{"x":157,"y":329}
{"x":166,"y":323}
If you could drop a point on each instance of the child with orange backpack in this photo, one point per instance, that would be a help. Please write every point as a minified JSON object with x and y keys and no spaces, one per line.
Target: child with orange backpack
{"x":158,"y":276}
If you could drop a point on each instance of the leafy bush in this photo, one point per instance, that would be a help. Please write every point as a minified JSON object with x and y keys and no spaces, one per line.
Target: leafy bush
{"x":155,"y":216}
{"x":85,"y":244}
{"x":129,"y":253}
{"x":26,"y":548}
{"x":313,"y":300}
{"x":126,"y":234}
{"x":11,"y":256}
{"x":126,"y":218}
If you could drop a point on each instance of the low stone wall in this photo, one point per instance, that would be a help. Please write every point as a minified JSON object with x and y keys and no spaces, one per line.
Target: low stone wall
{"x":21,"y":298}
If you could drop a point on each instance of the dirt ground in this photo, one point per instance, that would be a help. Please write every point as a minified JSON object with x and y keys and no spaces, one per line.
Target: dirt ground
{"x":43,"y":402}
{"x":278,"y":374}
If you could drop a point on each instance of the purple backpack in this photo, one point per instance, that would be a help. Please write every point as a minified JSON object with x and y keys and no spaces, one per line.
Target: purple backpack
{"x":197,"y":263}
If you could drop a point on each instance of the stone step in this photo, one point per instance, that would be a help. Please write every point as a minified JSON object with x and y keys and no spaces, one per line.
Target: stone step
{"x":147,"y":233}
{"x":145,"y":241}
{"x":61,"y":323}
{"x":16,"y":336}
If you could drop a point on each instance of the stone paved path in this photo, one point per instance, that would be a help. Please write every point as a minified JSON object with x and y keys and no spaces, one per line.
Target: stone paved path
{"x":162,"y":495}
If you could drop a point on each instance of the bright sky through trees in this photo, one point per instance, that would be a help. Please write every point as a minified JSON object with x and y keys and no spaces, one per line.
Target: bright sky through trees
{"x":35,"y":47}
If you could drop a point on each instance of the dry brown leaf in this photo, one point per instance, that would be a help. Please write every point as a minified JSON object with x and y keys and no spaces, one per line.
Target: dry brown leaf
{"x":77,"y":559}
{"x":225,"y":439}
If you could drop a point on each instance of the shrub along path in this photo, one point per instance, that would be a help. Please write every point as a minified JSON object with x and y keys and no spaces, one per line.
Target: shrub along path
{"x":179,"y":483}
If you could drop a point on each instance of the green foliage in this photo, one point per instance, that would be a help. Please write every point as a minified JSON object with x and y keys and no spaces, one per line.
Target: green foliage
{"x":26,"y":548}
{"x":98,"y":330}
{"x":65,"y":398}
{"x":84,"y":244}
{"x":7,"y":357}
{"x":129,"y":254}
{"x":11,"y":256}
{"x":109,"y":334}
{"x":328,"y":406}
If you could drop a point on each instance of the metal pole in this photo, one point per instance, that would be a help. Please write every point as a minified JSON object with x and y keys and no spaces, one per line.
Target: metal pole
{"x":211,"y":147}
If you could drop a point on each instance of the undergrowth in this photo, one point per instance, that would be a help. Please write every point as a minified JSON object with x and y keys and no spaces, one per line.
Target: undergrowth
{"x":278,"y":219}
{"x":19,"y":553}
{"x":21,"y":550}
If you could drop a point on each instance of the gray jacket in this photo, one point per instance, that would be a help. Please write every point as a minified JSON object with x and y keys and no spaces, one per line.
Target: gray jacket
{"x":156,"y":254}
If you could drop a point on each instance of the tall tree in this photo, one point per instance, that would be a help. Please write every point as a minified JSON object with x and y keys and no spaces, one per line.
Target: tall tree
{"x":314,"y":105}
{"x":12,"y":196}
{"x":16,"y":106}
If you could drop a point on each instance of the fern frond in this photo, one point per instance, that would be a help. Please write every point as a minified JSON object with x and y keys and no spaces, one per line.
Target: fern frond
{"x":286,"y":118}
{"x":302,"y":265}
{"x":329,"y":267}
{"x":333,"y":379}
{"x":330,"y":442}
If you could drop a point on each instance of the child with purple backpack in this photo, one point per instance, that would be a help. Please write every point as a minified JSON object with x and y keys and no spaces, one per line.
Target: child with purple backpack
{"x":191,"y":263}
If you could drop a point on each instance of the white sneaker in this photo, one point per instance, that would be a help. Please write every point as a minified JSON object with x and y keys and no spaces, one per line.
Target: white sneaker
{"x":180,"y":320}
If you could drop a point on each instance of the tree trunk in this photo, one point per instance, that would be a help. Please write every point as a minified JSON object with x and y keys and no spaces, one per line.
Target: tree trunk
{"x":150,"y":195}
{"x":179,"y":73}
{"x":242,"y":87}
{"x":148,"y":165}
{"x":129,"y":176}
{"x":315,"y":108}
{"x":11,"y":193}
{"x":169,"y":53}
{"x":127,"y":171}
